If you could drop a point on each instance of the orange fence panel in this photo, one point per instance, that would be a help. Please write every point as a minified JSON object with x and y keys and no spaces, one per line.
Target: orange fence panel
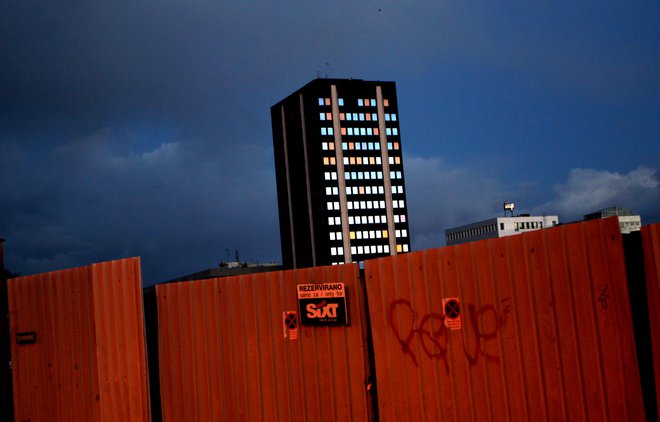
{"x":529,"y":327}
{"x":651,"y":242}
{"x":234,"y":349}
{"x":77,"y":343}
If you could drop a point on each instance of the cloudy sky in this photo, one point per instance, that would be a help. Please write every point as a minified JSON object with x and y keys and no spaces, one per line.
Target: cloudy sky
{"x":142,"y":128}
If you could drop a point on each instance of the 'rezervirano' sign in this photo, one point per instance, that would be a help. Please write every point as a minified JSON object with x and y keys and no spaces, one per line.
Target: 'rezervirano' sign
{"x":322,"y":304}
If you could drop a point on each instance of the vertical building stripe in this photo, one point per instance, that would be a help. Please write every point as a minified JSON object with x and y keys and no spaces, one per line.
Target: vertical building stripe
{"x":307,"y":182}
{"x":339,"y":153}
{"x":288,"y":188}
{"x":386,"y":170}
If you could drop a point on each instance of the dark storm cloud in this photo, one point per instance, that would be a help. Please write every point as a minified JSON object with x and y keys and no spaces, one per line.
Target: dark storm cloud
{"x":143,"y":128}
{"x":94,"y":198}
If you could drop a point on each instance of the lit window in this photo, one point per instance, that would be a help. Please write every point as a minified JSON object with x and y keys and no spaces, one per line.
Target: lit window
{"x":368,"y":117}
{"x":368,"y":188}
{"x":399,"y":248}
{"x":349,"y":205}
{"x":331,"y":221}
{"x":386,"y":248}
{"x":379,"y":248}
{"x":398,"y":173}
{"x":389,"y":145}
{"x":329,"y":206}
{"x":376,"y":131}
{"x":393,"y":189}
{"x":374,"y":117}
{"x":360,"y":250}
{"x":335,"y":190}
{"x":351,"y":220}
{"x":333,"y":175}
{"x":339,"y":236}
{"x":333,"y":251}
{"x":395,"y":131}
{"x":369,"y":131}
{"x":353,"y":250}
{"x":326,"y":161}
{"x":363,"y":131}
{"x":355,"y":116}
{"x":327,"y":101}
{"x":342,"y":116}
{"x":348,"y":116}
{"x":322,"y":116}
{"x":397,"y":160}
{"x":331,"y":146}
{"x":344,"y":146}
{"x":384,"y":234}
{"x":340,"y":101}
{"x":396,"y":218}
{"x":330,"y":131}
{"x":328,"y":116}
{"x":328,"y":190}
{"x":321,"y":101}
{"x":403,"y":218}
{"x":387,"y":117}
{"x":324,"y":146}
{"x":386,"y":102}
{"x":350,"y":131}
{"x":332,"y":235}
{"x":337,"y":221}
{"x":400,"y":189}
{"x":350,"y":145}
{"x":371,"y":219}
{"x":388,"y":131}
{"x":393,"y":117}
{"x":343,"y":131}
{"x":381,"y":189}
{"x":405,"y":247}
{"x":324,"y":131}
{"x":360,"y":102}
{"x":396,"y":144}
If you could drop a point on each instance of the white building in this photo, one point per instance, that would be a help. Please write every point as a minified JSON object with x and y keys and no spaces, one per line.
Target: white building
{"x":628,"y":221}
{"x":498,"y":227}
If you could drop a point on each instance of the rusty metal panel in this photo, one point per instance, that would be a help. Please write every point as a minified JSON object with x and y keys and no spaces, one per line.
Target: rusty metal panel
{"x":224,"y":353}
{"x":529,"y":327}
{"x":77,"y":341}
{"x":651,"y":243}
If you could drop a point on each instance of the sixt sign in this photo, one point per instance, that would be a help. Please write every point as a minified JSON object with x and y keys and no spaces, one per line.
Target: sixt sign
{"x":322,"y":304}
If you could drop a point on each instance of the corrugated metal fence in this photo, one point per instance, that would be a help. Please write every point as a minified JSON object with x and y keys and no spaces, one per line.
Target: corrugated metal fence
{"x":530,"y":327}
{"x":226,"y":354}
{"x":77,"y":344}
{"x":651,"y":241}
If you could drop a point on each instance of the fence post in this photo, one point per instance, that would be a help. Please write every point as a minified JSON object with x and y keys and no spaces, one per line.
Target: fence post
{"x":6,"y":399}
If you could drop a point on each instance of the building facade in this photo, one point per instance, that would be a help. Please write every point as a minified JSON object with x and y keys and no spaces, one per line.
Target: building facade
{"x":498,"y":227}
{"x":628,"y":221}
{"x":339,"y":170}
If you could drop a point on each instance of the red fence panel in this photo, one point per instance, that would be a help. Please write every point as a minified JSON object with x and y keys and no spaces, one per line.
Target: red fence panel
{"x":529,"y":327}
{"x":651,"y":242}
{"x":225,"y":352}
{"x":77,"y":342}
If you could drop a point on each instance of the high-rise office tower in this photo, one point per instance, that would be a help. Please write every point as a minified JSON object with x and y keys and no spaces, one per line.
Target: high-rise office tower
{"x":339,"y":167}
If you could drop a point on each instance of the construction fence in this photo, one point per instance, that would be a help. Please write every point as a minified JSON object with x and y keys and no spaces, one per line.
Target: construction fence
{"x":555,"y":324}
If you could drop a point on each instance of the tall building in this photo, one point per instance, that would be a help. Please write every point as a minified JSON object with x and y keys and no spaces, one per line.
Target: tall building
{"x":339,"y":168}
{"x":498,"y":227}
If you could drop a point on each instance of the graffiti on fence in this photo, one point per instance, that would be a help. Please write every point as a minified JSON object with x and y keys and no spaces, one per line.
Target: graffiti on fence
{"x":482,"y":324}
